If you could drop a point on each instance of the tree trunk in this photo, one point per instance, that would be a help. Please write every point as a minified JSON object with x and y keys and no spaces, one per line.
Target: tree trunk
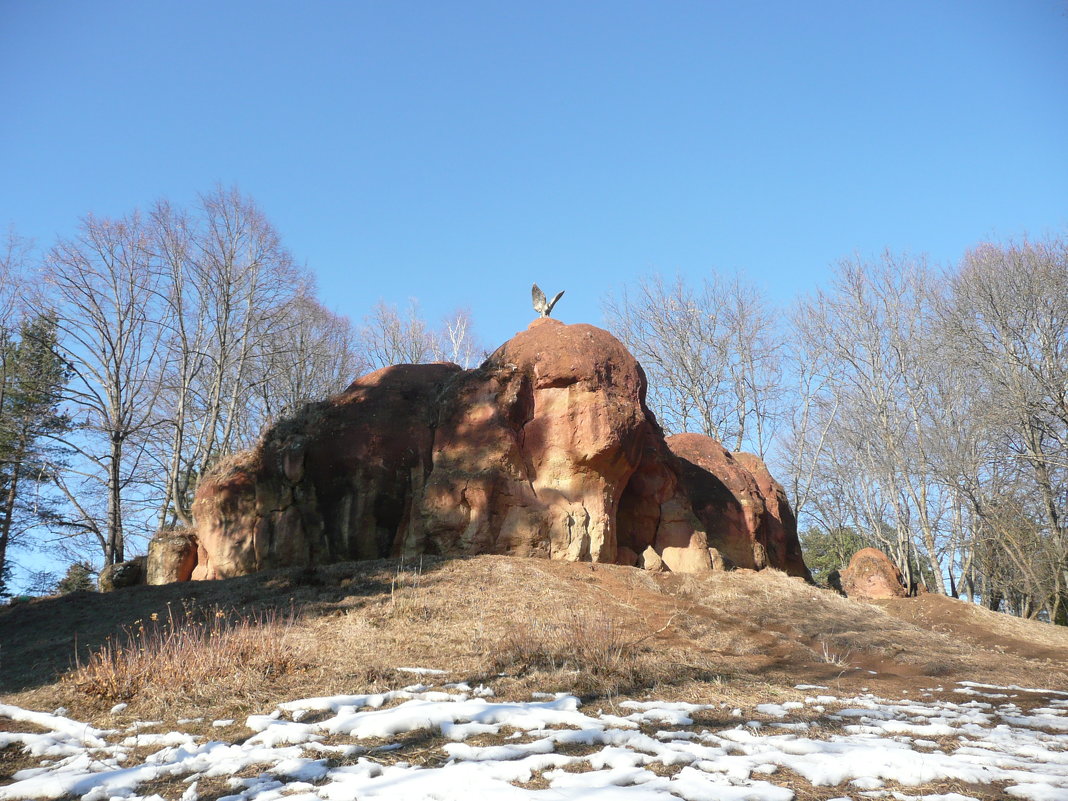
{"x":115,"y":548}
{"x":5,"y":524}
{"x":1059,"y":615}
{"x":993,"y":603}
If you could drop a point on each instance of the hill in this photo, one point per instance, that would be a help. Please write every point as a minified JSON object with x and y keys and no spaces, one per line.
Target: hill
{"x":661,"y":686}
{"x":350,"y":625}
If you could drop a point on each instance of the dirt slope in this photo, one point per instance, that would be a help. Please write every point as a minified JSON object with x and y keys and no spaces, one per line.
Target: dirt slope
{"x":744,"y":634}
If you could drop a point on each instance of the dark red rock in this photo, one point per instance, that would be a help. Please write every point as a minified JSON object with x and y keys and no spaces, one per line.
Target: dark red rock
{"x":122,"y":574}
{"x":332,"y":483}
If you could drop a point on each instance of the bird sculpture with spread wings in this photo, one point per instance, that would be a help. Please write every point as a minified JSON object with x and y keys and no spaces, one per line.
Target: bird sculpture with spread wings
{"x":541,"y":306}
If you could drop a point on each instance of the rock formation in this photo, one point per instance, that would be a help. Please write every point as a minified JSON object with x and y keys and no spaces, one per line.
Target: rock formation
{"x":123,"y":574}
{"x":548,"y":449}
{"x":740,"y":505}
{"x":872,"y":575}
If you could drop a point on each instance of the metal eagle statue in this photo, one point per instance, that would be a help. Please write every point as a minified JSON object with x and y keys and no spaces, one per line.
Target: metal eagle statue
{"x":541,"y":306}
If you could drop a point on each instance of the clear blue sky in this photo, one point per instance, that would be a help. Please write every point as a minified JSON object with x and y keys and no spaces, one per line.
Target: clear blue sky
{"x":456,"y":151}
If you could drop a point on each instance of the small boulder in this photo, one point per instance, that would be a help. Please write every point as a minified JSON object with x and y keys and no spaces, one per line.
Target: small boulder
{"x":872,"y":575}
{"x":720,"y":562}
{"x":123,"y":574}
{"x":172,"y":556}
{"x":650,"y":560}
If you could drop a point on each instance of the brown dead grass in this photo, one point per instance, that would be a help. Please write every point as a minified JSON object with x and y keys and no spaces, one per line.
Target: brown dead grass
{"x":192,"y":651}
{"x":600,"y":631}
{"x":805,"y":791}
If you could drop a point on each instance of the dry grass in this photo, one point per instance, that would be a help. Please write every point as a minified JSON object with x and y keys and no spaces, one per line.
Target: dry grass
{"x":601,"y":656}
{"x":522,"y":625}
{"x":594,"y":630}
{"x":836,"y":658}
{"x":191,"y":651}
{"x":837,"y":630}
{"x":577,"y":641}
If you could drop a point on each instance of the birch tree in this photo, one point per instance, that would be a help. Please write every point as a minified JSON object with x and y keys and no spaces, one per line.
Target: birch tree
{"x":389,"y":337}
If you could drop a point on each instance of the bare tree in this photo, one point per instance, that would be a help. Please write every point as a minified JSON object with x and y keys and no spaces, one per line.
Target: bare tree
{"x":866,"y":415}
{"x":1007,"y":321}
{"x":456,"y":341}
{"x":231,"y":290}
{"x":313,"y":354}
{"x":813,"y":410}
{"x":713,"y":356}
{"x":934,"y":419}
{"x":105,"y":291}
{"x":388,"y":337}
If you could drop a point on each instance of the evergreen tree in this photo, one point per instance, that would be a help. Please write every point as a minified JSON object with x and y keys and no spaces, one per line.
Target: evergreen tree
{"x":79,"y":577}
{"x":830,"y":551}
{"x":32,"y":375}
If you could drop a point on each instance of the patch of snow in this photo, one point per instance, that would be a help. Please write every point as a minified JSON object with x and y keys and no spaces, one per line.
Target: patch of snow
{"x":1025,"y":750}
{"x":1037,"y":791}
{"x":772,"y":710}
{"x":1016,"y":687}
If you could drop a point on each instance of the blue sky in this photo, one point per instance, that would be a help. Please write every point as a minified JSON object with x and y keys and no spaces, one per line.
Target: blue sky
{"x":456,"y":151}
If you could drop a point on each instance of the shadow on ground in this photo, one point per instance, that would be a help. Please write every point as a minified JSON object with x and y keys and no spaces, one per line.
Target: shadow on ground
{"x":43,"y":638}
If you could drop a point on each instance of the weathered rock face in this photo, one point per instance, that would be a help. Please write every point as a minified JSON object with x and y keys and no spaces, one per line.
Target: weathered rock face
{"x":172,"y":556}
{"x":871,"y":574}
{"x":336,"y":482}
{"x":533,"y":451}
{"x":743,"y":509}
{"x":782,"y":543}
{"x":547,"y":449}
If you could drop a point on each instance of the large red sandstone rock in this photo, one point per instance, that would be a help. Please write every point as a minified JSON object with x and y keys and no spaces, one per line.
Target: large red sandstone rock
{"x":780,"y":538}
{"x":742,"y":508}
{"x":871,"y":574}
{"x":333,"y":483}
{"x":547,"y":449}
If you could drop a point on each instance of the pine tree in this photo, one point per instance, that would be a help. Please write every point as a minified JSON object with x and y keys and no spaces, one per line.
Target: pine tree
{"x":79,"y":577}
{"x":31,"y":377}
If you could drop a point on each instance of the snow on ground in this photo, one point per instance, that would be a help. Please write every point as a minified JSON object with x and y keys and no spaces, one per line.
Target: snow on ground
{"x":640,"y":751}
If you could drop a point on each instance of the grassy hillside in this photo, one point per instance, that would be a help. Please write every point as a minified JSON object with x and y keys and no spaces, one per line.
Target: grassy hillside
{"x":237,"y":646}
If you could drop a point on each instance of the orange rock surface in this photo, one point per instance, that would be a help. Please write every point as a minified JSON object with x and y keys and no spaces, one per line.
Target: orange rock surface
{"x":871,"y":574}
{"x":548,"y":449}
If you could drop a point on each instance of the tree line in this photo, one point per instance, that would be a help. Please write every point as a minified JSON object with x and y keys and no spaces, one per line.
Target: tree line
{"x":138,"y":352}
{"x":917,"y":409}
{"x":922,"y":411}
